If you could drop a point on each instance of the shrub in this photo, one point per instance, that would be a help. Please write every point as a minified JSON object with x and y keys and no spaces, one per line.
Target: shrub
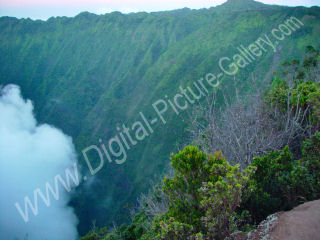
{"x":311,"y":162}
{"x":203,"y":194}
{"x":282,"y":183}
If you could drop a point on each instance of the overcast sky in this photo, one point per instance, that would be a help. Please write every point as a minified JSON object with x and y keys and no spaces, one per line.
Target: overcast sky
{"x":43,"y":9}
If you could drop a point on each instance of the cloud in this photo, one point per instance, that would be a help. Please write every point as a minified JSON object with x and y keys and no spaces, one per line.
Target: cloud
{"x":30,"y":156}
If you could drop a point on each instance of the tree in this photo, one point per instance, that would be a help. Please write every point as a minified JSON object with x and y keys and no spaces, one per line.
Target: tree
{"x":311,"y":161}
{"x":281,"y":182}
{"x":203,"y":196}
{"x":255,"y":124}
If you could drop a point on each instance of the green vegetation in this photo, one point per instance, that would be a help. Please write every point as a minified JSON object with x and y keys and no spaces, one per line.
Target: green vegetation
{"x":208,"y":198}
{"x":204,"y":194}
{"x":198,"y":194}
{"x":90,"y":73}
{"x":282,"y":182}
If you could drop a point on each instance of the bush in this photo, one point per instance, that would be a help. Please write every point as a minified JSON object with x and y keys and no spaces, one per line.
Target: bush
{"x":311,"y":162}
{"x":204,"y":194}
{"x":282,"y":183}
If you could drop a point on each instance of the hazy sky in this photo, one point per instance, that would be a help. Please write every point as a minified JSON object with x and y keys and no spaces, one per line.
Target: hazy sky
{"x":43,"y":9}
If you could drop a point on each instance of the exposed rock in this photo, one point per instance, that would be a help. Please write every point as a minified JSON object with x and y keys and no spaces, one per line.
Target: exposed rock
{"x":301,"y":223}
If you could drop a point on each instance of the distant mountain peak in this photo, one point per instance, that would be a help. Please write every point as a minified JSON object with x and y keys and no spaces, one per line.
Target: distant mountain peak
{"x":241,"y":5}
{"x":243,"y":2}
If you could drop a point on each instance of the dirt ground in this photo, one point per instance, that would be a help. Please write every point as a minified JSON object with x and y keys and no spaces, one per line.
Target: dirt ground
{"x":301,"y":223}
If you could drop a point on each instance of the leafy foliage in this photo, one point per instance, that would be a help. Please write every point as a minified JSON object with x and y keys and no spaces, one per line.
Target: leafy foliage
{"x":89,"y":73}
{"x":282,"y":183}
{"x":204,"y":194}
{"x":210,"y":199}
{"x":311,"y":162}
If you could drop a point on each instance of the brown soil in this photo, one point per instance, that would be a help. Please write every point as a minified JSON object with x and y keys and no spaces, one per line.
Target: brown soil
{"x":303,"y":222}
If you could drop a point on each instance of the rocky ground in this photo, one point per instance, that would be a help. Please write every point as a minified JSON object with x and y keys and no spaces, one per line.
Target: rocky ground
{"x":301,"y":223}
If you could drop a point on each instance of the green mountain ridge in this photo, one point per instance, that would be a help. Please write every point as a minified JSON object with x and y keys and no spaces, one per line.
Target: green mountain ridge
{"x":89,"y":74}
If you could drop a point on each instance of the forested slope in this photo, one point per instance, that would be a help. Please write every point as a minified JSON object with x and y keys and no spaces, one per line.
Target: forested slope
{"x":89,"y":74}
